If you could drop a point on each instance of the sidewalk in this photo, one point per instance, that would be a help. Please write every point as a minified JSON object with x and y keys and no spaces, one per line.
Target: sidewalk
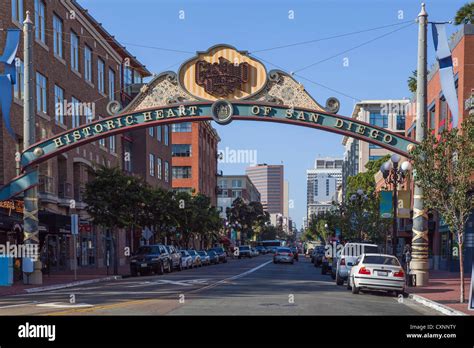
{"x":444,"y":288}
{"x":65,"y":279}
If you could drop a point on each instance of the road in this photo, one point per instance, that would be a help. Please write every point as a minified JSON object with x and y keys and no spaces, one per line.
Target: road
{"x":240,"y":287}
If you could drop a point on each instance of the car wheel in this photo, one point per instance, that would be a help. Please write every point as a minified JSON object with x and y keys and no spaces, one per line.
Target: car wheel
{"x":170,"y":267}
{"x":349,"y":287}
{"x":180,"y":267}
{"x":339,"y":280}
{"x":160,"y":269}
{"x":355,"y":289}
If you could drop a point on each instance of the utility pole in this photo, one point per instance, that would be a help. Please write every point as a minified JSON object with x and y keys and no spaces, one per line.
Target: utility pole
{"x":419,"y":262}
{"x":30,"y":212}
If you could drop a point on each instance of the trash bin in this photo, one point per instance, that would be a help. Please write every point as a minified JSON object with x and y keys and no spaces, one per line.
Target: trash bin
{"x":6,"y":271}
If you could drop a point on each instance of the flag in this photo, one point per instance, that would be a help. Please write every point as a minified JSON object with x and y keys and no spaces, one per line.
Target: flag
{"x":8,"y":79}
{"x":446,"y":74}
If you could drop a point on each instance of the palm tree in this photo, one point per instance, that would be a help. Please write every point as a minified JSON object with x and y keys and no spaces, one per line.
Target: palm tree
{"x":412,"y":81}
{"x":465,"y":14}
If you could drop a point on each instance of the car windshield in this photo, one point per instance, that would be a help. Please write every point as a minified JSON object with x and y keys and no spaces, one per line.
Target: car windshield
{"x":183,"y":253}
{"x":244,"y":247}
{"x":192,"y":252}
{"x":381,"y":260}
{"x":283,"y":250}
{"x":148,"y":250}
{"x":202,"y":253}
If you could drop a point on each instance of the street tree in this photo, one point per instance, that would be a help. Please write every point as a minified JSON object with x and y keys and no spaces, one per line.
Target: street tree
{"x":444,"y":167}
{"x":465,"y":15}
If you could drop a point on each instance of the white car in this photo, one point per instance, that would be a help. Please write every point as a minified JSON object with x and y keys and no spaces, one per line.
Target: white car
{"x":186,"y":260}
{"x":283,"y":254}
{"x":347,"y":258}
{"x":377,"y":272}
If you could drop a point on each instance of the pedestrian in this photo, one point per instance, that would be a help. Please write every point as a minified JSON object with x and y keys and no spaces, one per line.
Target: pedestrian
{"x":406,"y":258}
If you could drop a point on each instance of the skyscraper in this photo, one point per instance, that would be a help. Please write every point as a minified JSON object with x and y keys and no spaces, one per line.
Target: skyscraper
{"x":268,"y":179}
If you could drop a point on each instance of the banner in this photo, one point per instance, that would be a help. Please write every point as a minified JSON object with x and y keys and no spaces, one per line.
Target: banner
{"x":386,"y":206}
{"x":403,"y":206}
{"x":446,"y":74}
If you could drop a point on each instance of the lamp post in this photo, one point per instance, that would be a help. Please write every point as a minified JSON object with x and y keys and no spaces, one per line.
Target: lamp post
{"x":358,"y":199}
{"x":395,"y":175}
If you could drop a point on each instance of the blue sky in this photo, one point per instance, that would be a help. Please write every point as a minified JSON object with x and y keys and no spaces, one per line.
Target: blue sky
{"x":378,"y":70}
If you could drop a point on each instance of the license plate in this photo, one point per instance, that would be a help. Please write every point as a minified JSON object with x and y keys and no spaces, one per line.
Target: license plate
{"x":382,"y":273}
{"x":143,"y":265}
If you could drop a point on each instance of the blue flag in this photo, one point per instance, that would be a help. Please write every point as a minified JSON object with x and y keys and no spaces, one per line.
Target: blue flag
{"x":8,"y":79}
{"x":446,"y":74}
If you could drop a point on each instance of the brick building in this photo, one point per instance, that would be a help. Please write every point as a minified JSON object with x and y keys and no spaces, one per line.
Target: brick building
{"x":78,"y":69}
{"x":232,"y":187}
{"x":194,"y":162}
{"x":442,"y":243}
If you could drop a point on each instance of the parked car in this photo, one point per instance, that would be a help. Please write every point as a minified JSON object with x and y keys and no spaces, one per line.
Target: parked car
{"x":186,"y":259}
{"x":317,"y":256}
{"x":196,"y":258}
{"x":150,"y":258}
{"x":283,"y":254}
{"x":378,"y":272}
{"x":343,"y":263}
{"x":245,"y":251}
{"x":175,"y":256}
{"x":254,"y":252}
{"x":294,"y":250}
{"x":214,"y":258}
{"x":261,"y":250}
{"x":221,"y":253}
{"x":205,"y":258}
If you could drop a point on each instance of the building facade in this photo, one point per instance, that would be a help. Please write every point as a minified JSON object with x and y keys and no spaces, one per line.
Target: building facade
{"x":78,"y":70}
{"x":232,"y":187}
{"x":268,"y":179}
{"x":194,"y":158}
{"x":322,"y":183}
{"x":443,"y":250}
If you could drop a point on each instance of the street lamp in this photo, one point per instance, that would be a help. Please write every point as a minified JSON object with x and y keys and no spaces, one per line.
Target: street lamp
{"x":394,"y":176}
{"x":358,"y":199}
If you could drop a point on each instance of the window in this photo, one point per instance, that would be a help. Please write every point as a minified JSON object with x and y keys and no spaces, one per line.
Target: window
{"x":316,"y":187}
{"x":181,"y":150}
{"x":160,"y":168}
{"x":158,"y":133}
{"x":236,"y":193}
{"x":58,"y":104}
{"x":433,"y":117}
{"x":40,"y":20}
{"x":152,"y":164}
{"x":112,"y":144}
{"x":181,"y":172}
{"x":17,"y":11}
{"x":167,"y":171}
{"x":87,"y":63}
{"x":137,"y":78}
{"x":100,"y":75}
{"x":127,"y":76}
{"x":88,"y":114}
{"x":58,"y":36}
{"x":18,"y":87}
{"x":400,"y":122}
{"x":237,"y":183}
{"x":75,"y":122}
{"x":222,"y":184}
{"x":167,"y":135}
{"x":443,"y":114}
{"x":181,"y":127}
{"x":102,"y":142}
{"x":111,"y":84}
{"x":327,"y":187}
{"x":41,"y":93}
{"x":74,"y":51}
{"x":379,"y":120}
{"x":150,"y":131}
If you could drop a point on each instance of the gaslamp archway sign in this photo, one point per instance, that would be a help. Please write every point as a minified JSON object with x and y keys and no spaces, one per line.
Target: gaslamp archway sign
{"x":221,"y":84}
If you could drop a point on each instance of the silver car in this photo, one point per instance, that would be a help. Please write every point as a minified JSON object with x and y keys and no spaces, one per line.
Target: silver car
{"x":205,"y":258}
{"x":347,"y":258}
{"x":377,"y":272}
{"x":186,"y":260}
{"x":196,"y":258}
{"x":283,"y":254}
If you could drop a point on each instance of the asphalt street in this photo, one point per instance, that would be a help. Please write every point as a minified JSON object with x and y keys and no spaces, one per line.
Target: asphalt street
{"x":240,"y":287}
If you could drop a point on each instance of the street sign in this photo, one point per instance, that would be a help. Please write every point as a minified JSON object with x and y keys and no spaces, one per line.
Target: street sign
{"x":74,"y":224}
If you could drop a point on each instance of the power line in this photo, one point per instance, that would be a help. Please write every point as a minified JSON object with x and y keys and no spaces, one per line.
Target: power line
{"x":352,"y":48}
{"x":329,"y":37}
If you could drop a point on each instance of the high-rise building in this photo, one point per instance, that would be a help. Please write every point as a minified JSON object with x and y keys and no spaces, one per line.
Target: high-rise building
{"x":78,"y":66}
{"x":194,"y":158}
{"x":268,"y":179}
{"x":232,"y":187}
{"x":388,"y":114}
{"x":322,"y":183}
{"x":286,"y":198}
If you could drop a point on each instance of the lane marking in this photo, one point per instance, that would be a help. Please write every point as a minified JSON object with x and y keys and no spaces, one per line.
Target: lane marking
{"x":19,"y":305}
{"x":189,"y":282}
{"x":65,"y":305}
{"x":135,"y":302}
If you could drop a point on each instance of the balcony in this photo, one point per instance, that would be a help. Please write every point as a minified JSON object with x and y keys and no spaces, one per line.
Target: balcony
{"x":46,"y":185}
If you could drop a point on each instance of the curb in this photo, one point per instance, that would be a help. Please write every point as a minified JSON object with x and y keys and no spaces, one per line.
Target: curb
{"x":68,"y":285}
{"x":435,"y":305}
